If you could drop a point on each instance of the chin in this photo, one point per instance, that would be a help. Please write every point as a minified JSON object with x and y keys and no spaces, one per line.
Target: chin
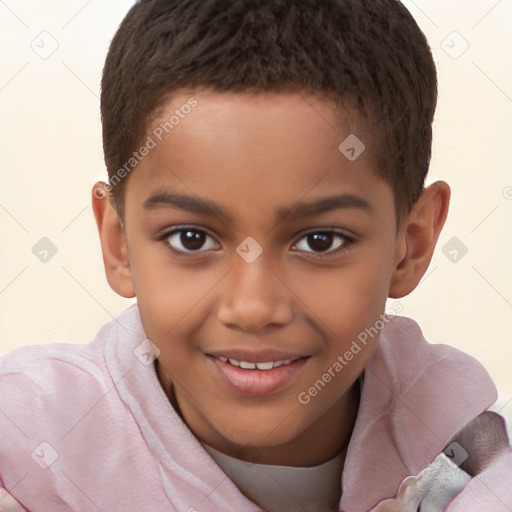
{"x":263,"y":434}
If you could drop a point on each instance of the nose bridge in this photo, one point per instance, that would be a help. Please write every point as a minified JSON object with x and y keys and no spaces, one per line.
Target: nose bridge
{"x":253,"y":279}
{"x":253,"y":296}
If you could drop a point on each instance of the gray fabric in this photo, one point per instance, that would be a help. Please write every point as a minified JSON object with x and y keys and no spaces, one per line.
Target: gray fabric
{"x":469,"y":452}
{"x":446,"y":480}
{"x":429,"y":491}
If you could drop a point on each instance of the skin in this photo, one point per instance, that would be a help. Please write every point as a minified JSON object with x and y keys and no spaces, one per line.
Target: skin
{"x":254,"y":155}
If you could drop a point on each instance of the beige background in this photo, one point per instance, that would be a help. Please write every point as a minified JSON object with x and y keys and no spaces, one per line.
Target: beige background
{"x":51,"y":155}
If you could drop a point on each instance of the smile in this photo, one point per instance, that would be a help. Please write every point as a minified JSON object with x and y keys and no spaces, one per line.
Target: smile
{"x":246,"y":365}
{"x":251,"y":378}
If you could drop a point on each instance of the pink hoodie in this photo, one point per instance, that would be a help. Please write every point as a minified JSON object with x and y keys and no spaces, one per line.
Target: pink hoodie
{"x":89,"y":428}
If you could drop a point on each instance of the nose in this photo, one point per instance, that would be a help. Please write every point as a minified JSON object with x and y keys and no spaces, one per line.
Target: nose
{"x":254,"y":297}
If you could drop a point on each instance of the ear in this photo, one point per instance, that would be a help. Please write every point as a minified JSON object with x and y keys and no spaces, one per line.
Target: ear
{"x":417,"y":238}
{"x":113,"y":242}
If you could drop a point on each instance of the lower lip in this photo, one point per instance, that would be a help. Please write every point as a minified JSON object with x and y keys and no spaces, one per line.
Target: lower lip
{"x":257,"y":382}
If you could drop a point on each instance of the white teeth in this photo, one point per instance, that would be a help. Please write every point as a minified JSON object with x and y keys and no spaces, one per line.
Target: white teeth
{"x":246,"y":365}
{"x":265,"y":366}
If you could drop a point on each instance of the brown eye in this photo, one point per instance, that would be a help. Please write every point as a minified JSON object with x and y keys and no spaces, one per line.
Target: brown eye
{"x":190,"y":240}
{"x":320,"y":242}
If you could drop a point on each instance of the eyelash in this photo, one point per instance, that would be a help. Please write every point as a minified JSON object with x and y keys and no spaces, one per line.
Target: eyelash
{"x":347,"y":241}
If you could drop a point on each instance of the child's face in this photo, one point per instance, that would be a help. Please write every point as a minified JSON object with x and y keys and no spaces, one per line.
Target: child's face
{"x":253,"y":158}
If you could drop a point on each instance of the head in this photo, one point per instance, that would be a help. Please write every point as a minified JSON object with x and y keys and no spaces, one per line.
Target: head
{"x":290,"y":142}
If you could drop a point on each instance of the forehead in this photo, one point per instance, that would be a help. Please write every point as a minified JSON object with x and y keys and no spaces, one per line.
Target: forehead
{"x":263,"y":151}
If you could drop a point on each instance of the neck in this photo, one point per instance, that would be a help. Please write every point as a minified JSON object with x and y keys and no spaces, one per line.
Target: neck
{"x":328,"y":436}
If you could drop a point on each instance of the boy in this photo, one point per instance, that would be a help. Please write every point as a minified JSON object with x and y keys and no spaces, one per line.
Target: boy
{"x":266,"y":196}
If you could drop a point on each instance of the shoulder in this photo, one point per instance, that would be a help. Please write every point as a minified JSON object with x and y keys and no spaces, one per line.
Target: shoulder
{"x":62,"y":410}
{"x":402,"y":343}
{"x":43,"y":387}
{"x":54,"y":383}
{"x":50,"y":369}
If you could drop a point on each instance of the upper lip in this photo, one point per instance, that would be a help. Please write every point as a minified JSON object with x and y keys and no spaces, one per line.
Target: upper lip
{"x":261,"y":356}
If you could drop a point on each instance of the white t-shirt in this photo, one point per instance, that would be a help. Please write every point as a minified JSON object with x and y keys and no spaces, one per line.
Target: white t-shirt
{"x":286,"y":488}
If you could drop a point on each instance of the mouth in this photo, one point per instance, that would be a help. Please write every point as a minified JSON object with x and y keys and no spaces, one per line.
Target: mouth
{"x":265,"y":366}
{"x":257,"y":375}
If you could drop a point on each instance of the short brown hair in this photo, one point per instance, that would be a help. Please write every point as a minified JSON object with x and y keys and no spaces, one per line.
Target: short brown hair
{"x":369,"y":54}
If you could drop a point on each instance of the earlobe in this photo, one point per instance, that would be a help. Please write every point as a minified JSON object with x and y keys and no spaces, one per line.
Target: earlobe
{"x":418,"y":237}
{"x":113,"y":242}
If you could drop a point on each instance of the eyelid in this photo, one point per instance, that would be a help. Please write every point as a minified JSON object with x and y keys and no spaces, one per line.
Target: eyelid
{"x":349,"y":239}
{"x":336,"y":231}
{"x":347,"y":243}
{"x":167,"y":233}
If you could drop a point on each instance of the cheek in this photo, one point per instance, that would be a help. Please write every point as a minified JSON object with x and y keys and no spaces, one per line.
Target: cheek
{"x":348,"y":303}
{"x":346,"y":299}
{"x":168,"y":292}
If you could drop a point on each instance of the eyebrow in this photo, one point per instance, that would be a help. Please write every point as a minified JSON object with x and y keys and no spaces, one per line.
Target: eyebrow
{"x":197,"y":205}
